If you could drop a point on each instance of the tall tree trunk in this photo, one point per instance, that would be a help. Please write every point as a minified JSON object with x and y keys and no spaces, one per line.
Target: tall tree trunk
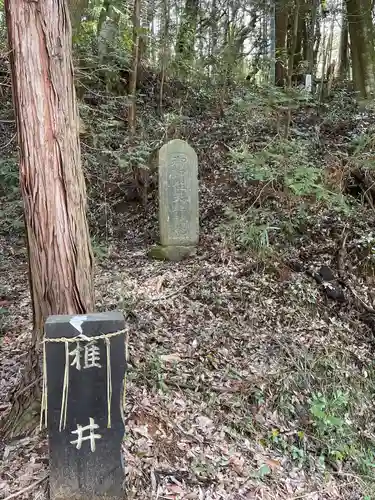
{"x":227,"y":52}
{"x":264,"y":11}
{"x":300,"y":52}
{"x":135,"y":63}
{"x":164,"y":57}
{"x":311,"y":37}
{"x":51,"y":179}
{"x":330,"y":65}
{"x":344,"y":46}
{"x":145,"y":44}
{"x":214,"y":39}
{"x":292,"y":43}
{"x":107,"y":30}
{"x":187,"y":31}
{"x":325,"y":52}
{"x":361,"y":31}
{"x":317,"y":41}
{"x":281,"y":23}
{"x":272,"y":43}
{"x":151,"y":17}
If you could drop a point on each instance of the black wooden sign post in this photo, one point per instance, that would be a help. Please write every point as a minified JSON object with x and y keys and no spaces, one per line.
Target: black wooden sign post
{"x":83,"y":375}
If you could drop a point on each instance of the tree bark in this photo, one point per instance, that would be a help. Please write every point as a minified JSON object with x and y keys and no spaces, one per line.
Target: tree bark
{"x":164,"y":56}
{"x":135,"y":64}
{"x":187,"y":32}
{"x":51,"y":180}
{"x":311,"y":37}
{"x":281,"y":25}
{"x":272,"y":43}
{"x":344,"y":46}
{"x":292,"y":42}
{"x":361,"y":33}
{"x":300,"y":53}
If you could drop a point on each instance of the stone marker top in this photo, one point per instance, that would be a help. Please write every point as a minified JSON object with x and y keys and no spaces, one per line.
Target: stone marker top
{"x":178,"y":194}
{"x":104,"y":316}
{"x":179,"y":147}
{"x":112,"y":322}
{"x":179,"y":144}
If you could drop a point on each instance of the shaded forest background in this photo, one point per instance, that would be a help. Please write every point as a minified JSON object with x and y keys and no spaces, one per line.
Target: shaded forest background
{"x":153,"y":71}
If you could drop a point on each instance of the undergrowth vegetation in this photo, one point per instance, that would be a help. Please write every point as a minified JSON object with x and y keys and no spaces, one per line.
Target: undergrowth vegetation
{"x":273,"y":193}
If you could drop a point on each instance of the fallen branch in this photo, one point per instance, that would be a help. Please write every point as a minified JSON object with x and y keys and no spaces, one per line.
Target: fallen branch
{"x":28,"y":488}
{"x":175,"y":292}
{"x":368,"y":308}
{"x":9,"y":142}
{"x":341,"y":255}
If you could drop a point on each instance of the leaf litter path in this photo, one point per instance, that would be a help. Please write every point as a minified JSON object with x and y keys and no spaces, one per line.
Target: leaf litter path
{"x":218,"y":381}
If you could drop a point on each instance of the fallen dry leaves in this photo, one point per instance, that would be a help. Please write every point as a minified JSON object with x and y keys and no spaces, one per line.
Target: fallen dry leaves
{"x":204,"y":367}
{"x":216,"y":346}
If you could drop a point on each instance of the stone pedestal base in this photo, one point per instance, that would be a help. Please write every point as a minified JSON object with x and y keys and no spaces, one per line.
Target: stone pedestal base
{"x":174,"y":253}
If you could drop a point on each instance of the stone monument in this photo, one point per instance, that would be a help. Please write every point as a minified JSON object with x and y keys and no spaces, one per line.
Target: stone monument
{"x":82,"y":405}
{"x":178,"y":201}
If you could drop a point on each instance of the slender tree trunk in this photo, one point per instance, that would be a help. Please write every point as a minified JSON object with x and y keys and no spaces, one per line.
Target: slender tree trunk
{"x":292,"y":43}
{"x":134,"y":73}
{"x":361,"y":31}
{"x":214,"y":39}
{"x":107,"y":30}
{"x":311,"y":38}
{"x":264,"y":30}
{"x":281,"y":24}
{"x":227,"y":50}
{"x":272,"y":43}
{"x":151,"y":15}
{"x":51,"y":179}
{"x":164,"y":51}
{"x":344,"y":46}
{"x":187,"y":32}
{"x":325,"y":51}
{"x":330,"y":65}
{"x":299,"y":54}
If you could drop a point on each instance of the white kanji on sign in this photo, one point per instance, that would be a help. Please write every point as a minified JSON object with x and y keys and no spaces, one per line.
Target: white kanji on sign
{"x":91,"y":437}
{"x":91,"y":355}
{"x":76,"y":355}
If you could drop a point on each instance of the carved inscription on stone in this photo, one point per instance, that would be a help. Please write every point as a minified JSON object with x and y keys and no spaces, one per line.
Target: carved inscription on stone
{"x":178,"y":194}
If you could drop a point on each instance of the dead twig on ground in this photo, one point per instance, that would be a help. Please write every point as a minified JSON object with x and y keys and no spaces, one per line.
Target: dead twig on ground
{"x":341,"y":254}
{"x":368,"y":308}
{"x":28,"y":488}
{"x":176,"y":292}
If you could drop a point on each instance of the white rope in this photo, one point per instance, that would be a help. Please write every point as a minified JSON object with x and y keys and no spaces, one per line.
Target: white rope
{"x":64,"y":397}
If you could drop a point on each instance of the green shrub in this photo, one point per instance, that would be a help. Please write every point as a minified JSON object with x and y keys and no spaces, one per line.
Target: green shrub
{"x":291,"y":166}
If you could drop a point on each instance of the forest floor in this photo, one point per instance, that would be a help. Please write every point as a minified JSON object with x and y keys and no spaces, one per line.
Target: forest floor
{"x":247,"y":378}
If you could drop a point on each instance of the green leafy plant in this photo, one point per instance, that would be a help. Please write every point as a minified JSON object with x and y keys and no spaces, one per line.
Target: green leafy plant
{"x":8,"y":176}
{"x":328,"y":412}
{"x":362,"y":148}
{"x":331,"y":418}
{"x":154,"y":373}
{"x":290,"y":165}
{"x":248,"y":234}
{"x":99,"y":249}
